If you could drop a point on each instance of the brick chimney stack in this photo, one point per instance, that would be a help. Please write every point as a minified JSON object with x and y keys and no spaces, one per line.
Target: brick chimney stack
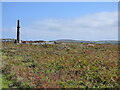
{"x":18,"y":32}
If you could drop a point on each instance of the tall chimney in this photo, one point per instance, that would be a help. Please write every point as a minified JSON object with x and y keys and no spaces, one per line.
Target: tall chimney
{"x":18,"y":32}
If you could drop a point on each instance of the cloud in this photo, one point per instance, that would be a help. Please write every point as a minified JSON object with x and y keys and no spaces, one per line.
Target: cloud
{"x":9,"y":32}
{"x":99,"y":26}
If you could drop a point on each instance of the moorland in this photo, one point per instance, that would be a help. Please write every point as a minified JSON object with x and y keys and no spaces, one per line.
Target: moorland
{"x":70,"y":65}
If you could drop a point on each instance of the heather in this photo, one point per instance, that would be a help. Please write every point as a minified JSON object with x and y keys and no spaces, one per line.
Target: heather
{"x":70,"y":65}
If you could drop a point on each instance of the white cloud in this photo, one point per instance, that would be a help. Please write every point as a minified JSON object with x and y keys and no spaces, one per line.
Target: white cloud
{"x":99,"y":26}
{"x":9,"y":32}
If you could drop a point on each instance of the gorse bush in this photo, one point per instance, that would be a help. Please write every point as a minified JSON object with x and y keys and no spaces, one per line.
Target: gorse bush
{"x":75,"y":65}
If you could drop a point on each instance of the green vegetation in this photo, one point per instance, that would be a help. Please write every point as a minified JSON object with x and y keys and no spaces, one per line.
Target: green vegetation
{"x":75,"y":65}
{"x":3,"y":82}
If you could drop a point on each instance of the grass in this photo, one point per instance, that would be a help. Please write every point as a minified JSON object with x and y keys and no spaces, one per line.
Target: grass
{"x":75,"y":65}
{"x":4,"y":83}
{"x":1,"y":81}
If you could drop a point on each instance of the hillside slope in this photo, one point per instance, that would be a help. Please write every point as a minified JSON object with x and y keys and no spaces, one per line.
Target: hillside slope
{"x":75,"y":65}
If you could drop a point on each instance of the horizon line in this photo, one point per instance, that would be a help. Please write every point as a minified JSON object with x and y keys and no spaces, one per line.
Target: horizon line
{"x":62,"y":39}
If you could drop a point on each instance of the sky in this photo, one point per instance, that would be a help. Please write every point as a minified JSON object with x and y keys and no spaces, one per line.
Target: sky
{"x":60,"y":0}
{"x":61,"y":20}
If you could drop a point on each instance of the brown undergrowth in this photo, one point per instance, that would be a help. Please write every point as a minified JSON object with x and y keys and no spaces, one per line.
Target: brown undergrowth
{"x":75,"y":65}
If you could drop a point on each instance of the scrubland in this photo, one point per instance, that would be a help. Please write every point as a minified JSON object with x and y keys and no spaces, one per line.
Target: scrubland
{"x":75,"y":65}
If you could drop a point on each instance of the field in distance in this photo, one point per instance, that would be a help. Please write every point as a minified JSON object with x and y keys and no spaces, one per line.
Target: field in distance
{"x":71,"y":65}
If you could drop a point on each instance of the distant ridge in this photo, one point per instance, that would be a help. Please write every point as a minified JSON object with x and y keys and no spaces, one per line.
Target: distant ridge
{"x":71,"y":40}
{"x":83,"y":41}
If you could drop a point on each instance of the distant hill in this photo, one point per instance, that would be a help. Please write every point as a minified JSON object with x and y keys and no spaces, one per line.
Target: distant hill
{"x":78,"y":41}
{"x":108,"y":42}
{"x":82,"y":41}
{"x":70,"y":40}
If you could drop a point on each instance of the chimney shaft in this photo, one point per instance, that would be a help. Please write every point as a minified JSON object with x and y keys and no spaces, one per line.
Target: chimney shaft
{"x":18,"y":32}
